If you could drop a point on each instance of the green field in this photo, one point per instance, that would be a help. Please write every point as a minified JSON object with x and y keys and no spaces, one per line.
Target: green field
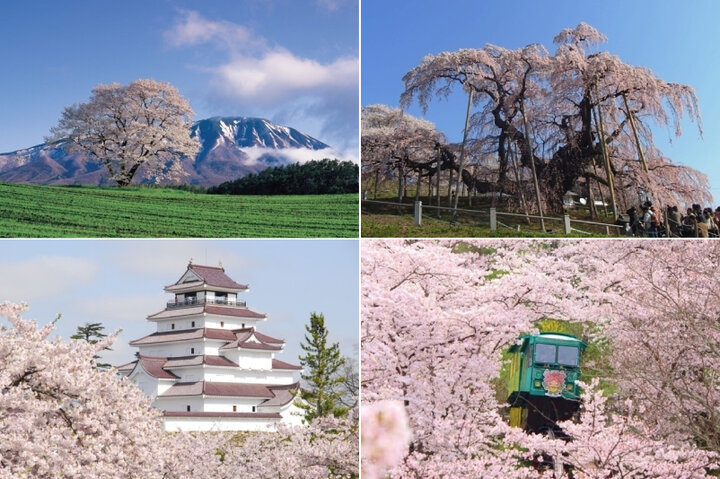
{"x":51,"y":211}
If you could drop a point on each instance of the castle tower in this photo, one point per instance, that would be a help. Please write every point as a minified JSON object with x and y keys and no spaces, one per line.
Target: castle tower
{"x":207,"y":366}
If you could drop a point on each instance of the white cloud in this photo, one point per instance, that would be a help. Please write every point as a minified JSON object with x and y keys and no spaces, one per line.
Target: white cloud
{"x":42,"y":277}
{"x":294,"y":155}
{"x":193,"y":29}
{"x":317,"y":97}
{"x":279,"y":76}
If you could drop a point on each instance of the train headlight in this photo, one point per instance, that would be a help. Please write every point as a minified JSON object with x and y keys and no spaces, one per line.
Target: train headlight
{"x":537,"y":383}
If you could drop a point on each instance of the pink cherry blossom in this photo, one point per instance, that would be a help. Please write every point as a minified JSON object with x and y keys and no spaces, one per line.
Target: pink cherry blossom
{"x":438,"y":315}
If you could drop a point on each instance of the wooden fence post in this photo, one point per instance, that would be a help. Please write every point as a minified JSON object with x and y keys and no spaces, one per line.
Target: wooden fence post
{"x":566,"y":223}
{"x":418,"y":213}
{"x":493,"y":219}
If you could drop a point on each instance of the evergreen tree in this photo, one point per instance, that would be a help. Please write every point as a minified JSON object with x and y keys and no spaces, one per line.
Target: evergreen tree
{"x":323,"y":381}
{"x":92,"y":333}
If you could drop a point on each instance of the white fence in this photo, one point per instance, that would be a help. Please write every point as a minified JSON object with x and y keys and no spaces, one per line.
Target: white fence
{"x":494,"y":217}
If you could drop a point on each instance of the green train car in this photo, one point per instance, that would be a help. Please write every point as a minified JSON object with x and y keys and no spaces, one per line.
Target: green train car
{"x":541,"y":384}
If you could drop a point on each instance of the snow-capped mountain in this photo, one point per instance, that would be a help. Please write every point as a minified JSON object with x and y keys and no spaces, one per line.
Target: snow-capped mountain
{"x":231,"y":147}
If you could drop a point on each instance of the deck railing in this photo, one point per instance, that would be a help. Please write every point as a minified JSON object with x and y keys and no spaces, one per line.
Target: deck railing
{"x":193,"y":301}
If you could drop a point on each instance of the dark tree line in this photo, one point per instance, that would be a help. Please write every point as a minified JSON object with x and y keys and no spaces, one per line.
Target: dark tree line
{"x":311,"y":178}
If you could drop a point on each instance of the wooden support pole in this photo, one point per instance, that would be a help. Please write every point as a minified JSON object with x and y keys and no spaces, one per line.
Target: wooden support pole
{"x":532,"y":163}
{"x":599,"y":185}
{"x":606,"y":157}
{"x":511,"y":153}
{"x":631,"y":117}
{"x":462,"y":152}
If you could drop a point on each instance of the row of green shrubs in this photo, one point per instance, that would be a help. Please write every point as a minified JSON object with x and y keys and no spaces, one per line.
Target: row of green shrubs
{"x":311,"y":178}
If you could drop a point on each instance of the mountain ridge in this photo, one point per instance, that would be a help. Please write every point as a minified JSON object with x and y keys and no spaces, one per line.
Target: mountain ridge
{"x":231,"y":147}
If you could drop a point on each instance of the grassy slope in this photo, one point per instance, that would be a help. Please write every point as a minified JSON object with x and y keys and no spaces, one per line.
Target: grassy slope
{"x":47,"y":211}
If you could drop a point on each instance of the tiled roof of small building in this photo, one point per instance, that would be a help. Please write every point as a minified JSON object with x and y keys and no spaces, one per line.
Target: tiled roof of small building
{"x":282,"y":397}
{"x":243,"y":336}
{"x":219,"y":389}
{"x":210,"y":360}
{"x":127,"y":367}
{"x":234,"y":311}
{"x":184,"y":335}
{"x":154,"y":367}
{"x":258,"y":346}
{"x":268,"y":339}
{"x":212,"y":276}
{"x":277,"y":364}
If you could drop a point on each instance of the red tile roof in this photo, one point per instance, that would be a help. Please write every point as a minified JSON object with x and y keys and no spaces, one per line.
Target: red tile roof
{"x":212,"y":276}
{"x":230,"y":389}
{"x":177,"y":312}
{"x":268,"y":339}
{"x":198,"y":360}
{"x":219,"y":389}
{"x":234,"y":311}
{"x":258,"y":346}
{"x":282,"y":397}
{"x":258,"y":415}
{"x":185,"y":335}
{"x":127,"y":367}
{"x":154,"y":367}
{"x":236,"y":389}
{"x":277,"y":364}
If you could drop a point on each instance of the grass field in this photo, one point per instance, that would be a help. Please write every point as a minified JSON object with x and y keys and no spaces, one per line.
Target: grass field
{"x":49,"y":211}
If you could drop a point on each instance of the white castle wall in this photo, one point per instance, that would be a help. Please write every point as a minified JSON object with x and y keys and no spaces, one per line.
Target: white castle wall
{"x":175,"y":424}
{"x":208,"y":404}
{"x":184,"y":348}
{"x":179,"y":403}
{"x":250,"y":359}
{"x":233,"y":375}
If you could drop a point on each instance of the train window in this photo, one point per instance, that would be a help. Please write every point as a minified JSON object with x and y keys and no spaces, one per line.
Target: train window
{"x":568,"y":355}
{"x":544,"y":353}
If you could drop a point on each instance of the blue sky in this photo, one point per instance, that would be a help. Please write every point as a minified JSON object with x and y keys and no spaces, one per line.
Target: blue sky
{"x":120,"y":282}
{"x":224,"y":56}
{"x":679,"y":41}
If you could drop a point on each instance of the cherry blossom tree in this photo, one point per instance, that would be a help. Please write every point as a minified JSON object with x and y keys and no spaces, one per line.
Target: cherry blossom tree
{"x":622,"y":444}
{"x":62,"y":418}
{"x":144,"y":126}
{"x":437,"y":317}
{"x":395,"y":144}
{"x":327,"y":448}
{"x":552,"y":107}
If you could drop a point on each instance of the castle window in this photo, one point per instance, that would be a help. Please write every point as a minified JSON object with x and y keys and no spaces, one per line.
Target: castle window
{"x":222,"y":324}
{"x":172,"y":326}
{"x":192,"y":350}
{"x":188,"y":408}
{"x":234,"y":408}
{"x":193,"y":324}
{"x":253,"y":408}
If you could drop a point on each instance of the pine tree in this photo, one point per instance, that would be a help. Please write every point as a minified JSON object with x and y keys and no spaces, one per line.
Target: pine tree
{"x":323,"y":389}
{"x":92,"y":333}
